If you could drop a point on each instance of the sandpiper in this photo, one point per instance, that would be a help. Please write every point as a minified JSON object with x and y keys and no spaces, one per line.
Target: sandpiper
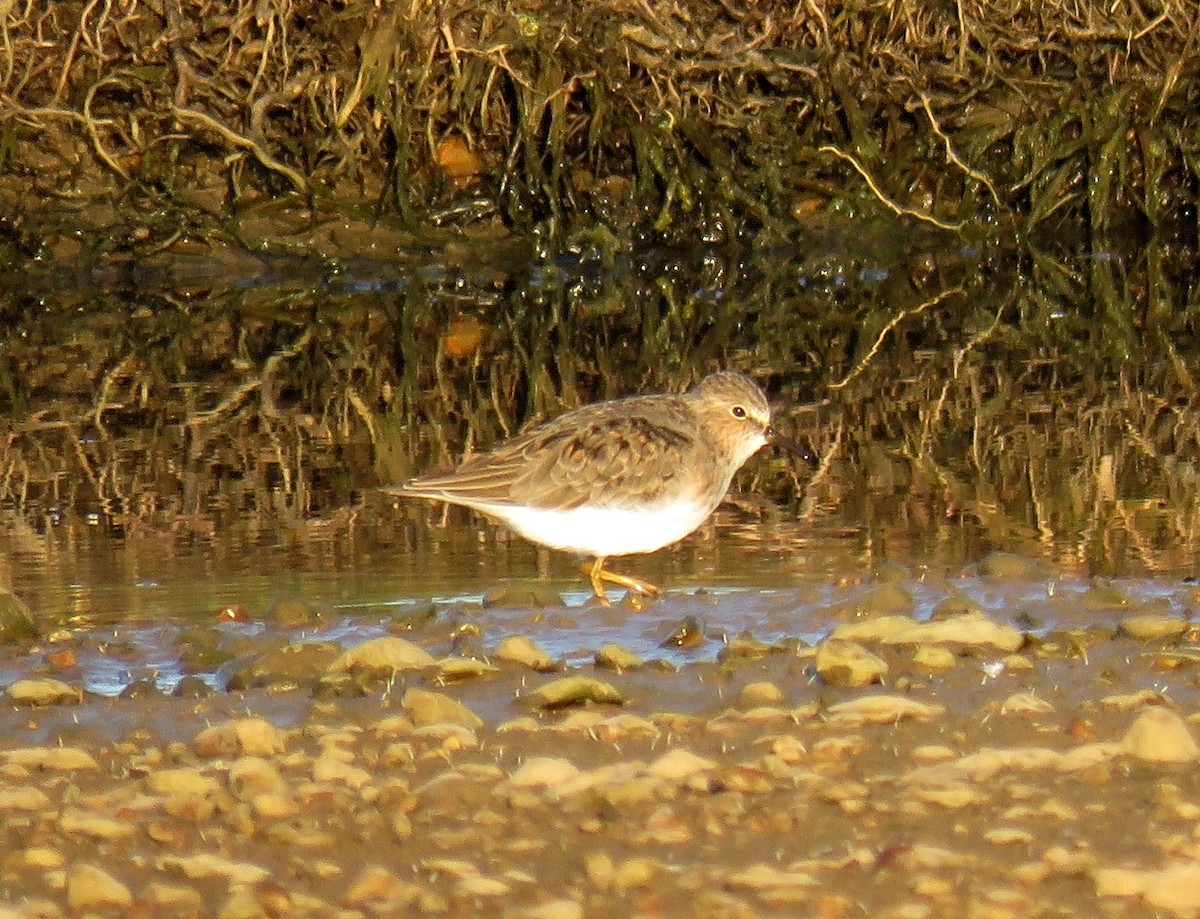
{"x":615,"y":478}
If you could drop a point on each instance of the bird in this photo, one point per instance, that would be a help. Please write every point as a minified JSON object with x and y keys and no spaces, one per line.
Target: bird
{"x":621,"y":477}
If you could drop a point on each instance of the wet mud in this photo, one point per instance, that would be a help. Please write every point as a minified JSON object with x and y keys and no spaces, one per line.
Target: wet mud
{"x":999,"y":741}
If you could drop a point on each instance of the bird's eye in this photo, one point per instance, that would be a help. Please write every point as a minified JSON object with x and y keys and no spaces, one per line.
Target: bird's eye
{"x":738,"y":412}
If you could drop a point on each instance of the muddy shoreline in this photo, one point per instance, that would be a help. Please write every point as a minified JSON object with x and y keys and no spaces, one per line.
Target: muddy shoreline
{"x":921,"y":765}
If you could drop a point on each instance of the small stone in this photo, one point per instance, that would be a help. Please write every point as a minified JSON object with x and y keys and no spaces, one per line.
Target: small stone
{"x":518,"y":649}
{"x":91,"y":888}
{"x":614,"y":657}
{"x":1149,"y":628}
{"x":970,"y":629}
{"x":883,"y":709}
{"x":760,"y":693}
{"x":573,"y":690}
{"x":16,"y":621}
{"x":679,"y":766}
{"x":933,"y":658}
{"x":75,"y":822}
{"x":54,"y":759}
{"x":181,"y":781}
{"x":293,"y":612}
{"x":1008,"y":566}
{"x":1159,"y":735}
{"x":383,"y":656}
{"x":250,"y":736}
{"x":426,"y":707}
{"x":453,"y":669}
{"x":44,"y":691}
{"x":1102,"y":597}
{"x":24,"y":798}
{"x":522,"y":594}
{"x":846,"y":663}
{"x":1025,"y":703}
{"x":293,"y":665}
{"x":544,"y":772}
{"x":555,"y":909}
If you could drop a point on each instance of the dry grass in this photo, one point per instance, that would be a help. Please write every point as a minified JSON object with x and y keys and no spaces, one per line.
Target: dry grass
{"x":668,"y":117}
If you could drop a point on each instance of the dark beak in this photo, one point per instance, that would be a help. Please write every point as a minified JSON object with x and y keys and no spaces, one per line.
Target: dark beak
{"x":796,"y":449}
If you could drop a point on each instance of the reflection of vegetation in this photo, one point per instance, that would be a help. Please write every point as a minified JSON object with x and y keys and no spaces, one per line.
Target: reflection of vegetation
{"x":948,"y":397}
{"x":150,"y":126}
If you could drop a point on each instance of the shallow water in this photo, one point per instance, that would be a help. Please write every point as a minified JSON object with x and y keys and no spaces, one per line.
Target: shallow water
{"x":168,"y":469}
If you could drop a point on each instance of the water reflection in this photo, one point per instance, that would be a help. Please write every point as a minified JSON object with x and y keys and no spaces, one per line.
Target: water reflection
{"x":174,"y":447}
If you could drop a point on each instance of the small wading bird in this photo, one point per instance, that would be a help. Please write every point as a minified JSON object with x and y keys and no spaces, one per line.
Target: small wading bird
{"x":616,"y":478}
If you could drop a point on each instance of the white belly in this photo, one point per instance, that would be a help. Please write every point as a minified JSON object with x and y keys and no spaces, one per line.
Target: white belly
{"x":604,"y":531}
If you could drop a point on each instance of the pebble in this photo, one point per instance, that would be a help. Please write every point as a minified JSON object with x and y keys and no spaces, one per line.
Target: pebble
{"x":883,"y":709}
{"x":1008,"y":566}
{"x":524,"y":595}
{"x":573,"y":690}
{"x":614,"y":657}
{"x":382,"y":656}
{"x":1159,"y":735}
{"x":53,"y":759}
{"x":181,"y":781}
{"x":933,"y":658}
{"x":251,"y":736}
{"x":44,"y":691}
{"x":760,"y":693}
{"x":970,"y":629}
{"x":91,"y":888}
{"x":544,"y":772}
{"x":16,"y":621}
{"x":426,"y":707}
{"x":847,"y":663}
{"x":518,"y":649}
{"x":1149,"y":627}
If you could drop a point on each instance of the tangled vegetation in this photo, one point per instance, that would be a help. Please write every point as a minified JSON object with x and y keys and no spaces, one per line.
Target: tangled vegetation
{"x":146,"y":125}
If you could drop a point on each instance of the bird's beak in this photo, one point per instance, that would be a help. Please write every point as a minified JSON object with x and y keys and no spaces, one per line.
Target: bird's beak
{"x":776,"y":439}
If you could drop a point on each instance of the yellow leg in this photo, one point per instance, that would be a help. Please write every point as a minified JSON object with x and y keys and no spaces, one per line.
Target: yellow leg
{"x":597,"y":575}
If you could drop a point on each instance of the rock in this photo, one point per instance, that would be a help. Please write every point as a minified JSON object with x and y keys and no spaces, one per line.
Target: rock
{"x":426,"y":707}
{"x":23,"y":798}
{"x":845,"y":663}
{"x":761,"y":693}
{"x":293,"y":612}
{"x":54,"y":759}
{"x":880,"y":600}
{"x":90,"y":888}
{"x":250,"y":776}
{"x":614,"y":657}
{"x":933,"y":658}
{"x":191,"y":687}
{"x":1103,"y":597}
{"x":452,"y":669}
{"x":555,"y":909}
{"x":522,"y":594}
{"x":1149,"y":628}
{"x":16,"y":621}
{"x":970,"y":629}
{"x":1008,"y":566}
{"x":543,"y":772}
{"x":44,"y":691}
{"x":181,"y":781}
{"x":76,"y":822}
{"x":679,"y":766}
{"x":293,"y":665}
{"x":882,"y":709}
{"x":250,"y":736}
{"x":518,"y":649}
{"x":382,"y":657}
{"x":573,"y":690}
{"x":141,"y":689}
{"x":1159,"y":735}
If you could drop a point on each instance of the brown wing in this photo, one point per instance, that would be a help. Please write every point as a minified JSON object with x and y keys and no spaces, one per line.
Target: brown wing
{"x":602,"y":454}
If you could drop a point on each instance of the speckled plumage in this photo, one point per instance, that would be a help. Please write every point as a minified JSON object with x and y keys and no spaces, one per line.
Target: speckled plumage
{"x":615,"y":478}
